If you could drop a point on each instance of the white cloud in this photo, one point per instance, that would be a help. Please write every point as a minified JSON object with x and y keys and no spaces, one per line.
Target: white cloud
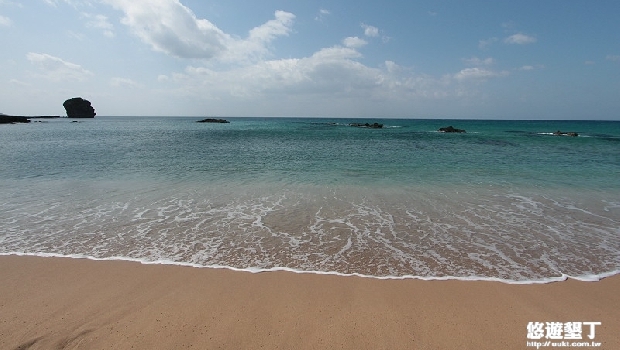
{"x":475,"y":61}
{"x":100,"y":22}
{"x":5,"y":21}
{"x":330,"y":75}
{"x":56,"y":69}
{"x":354,"y":42}
{"x":124,"y":82}
{"x":520,"y":39}
{"x":527,"y":68}
{"x":478,"y":74}
{"x":170,"y":27}
{"x":370,"y":30}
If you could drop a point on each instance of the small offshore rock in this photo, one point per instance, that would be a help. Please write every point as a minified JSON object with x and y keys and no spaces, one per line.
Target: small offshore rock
{"x":212,"y":120}
{"x":451,"y":129}
{"x":367,"y":125}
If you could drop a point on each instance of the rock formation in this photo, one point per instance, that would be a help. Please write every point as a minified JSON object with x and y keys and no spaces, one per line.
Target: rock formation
{"x":367,"y":125}
{"x":213,"y":120}
{"x":78,"y":107}
{"x":451,"y":129}
{"x":9,"y":119}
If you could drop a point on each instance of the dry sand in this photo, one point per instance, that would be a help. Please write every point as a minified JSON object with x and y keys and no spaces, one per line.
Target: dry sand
{"x":55,"y":303}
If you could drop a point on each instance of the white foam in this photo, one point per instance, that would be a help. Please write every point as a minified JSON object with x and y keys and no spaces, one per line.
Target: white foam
{"x":563,"y":277}
{"x":515,"y":237}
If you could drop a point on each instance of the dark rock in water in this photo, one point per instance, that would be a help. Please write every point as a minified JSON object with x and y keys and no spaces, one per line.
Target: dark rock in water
{"x":78,"y":107}
{"x":561,"y":133}
{"x":213,"y":120}
{"x":451,"y":129}
{"x":44,"y":117}
{"x":367,"y":125}
{"x":9,"y":119}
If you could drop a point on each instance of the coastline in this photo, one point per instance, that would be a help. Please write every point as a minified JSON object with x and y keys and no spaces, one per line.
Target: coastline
{"x":87,"y":304}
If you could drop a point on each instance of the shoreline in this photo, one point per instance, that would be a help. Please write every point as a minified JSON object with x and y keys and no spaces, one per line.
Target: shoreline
{"x":87,"y":304}
{"x":585,"y":278}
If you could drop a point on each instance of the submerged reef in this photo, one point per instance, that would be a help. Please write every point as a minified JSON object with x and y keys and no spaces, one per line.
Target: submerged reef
{"x":561,"y":133}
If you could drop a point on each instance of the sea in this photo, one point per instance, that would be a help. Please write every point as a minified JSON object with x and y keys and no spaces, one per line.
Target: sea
{"x":506,"y":201}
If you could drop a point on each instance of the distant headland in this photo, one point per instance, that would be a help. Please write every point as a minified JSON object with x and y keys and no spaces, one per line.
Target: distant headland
{"x":76,"y":107}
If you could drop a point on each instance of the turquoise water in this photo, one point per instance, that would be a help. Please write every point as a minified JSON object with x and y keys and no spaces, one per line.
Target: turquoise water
{"x":507,"y":200}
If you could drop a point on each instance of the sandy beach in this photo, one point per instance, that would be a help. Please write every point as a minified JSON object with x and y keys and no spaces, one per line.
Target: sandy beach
{"x":61,"y":303}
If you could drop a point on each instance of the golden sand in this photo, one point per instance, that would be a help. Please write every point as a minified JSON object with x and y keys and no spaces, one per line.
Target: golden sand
{"x":57,"y":303}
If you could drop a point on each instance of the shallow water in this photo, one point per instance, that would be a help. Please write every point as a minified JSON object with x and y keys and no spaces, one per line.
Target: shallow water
{"x":505,"y":201}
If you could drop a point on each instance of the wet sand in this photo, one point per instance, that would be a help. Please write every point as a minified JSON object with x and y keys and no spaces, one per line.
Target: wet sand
{"x":56,"y":303}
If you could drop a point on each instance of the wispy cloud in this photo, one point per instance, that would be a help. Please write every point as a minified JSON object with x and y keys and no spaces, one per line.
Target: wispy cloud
{"x":322,"y":15}
{"x":18,"y":82}
{"x":5,"y":21}
{"x":615,"y":58}
{"x":100,"y":22}
{"x":56,"y":69}
{"x":478,"y":74}
{"x":475,"y":61}
{"x":78,"y":36}
{"x":124,"y":82}
{"x":520,"y":39}
{"x":509,"y":25}
{"x":73,"y":3}
{"x":530,"y":67}
{"x":12,"y":3}
{"x":484,"y":44}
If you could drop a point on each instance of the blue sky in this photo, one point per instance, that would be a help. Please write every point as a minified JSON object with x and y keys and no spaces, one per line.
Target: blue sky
{"x":390,"y":59}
